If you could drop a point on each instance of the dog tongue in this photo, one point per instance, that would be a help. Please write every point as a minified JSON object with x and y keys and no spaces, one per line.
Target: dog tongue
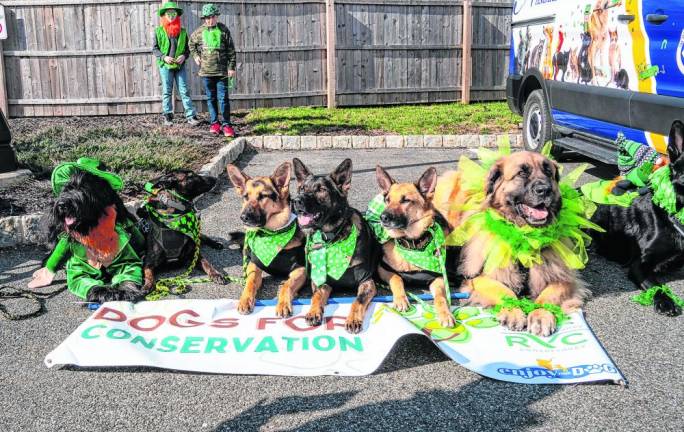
{"x":304,"y":219}
{"x":69,"y":221}
{"x":534,"y":213}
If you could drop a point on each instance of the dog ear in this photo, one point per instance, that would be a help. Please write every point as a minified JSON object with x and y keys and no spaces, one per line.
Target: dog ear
{"x":494,"y":175}
{"x":281,"y":177}
{"x":301,"y":171}
{"x":384,"y":179}
{"x":342,"y":175}
{"x":427,"y":182}
{"x":675,"y":144}
{"x":237,"y":177}
{"x":556,"y":168}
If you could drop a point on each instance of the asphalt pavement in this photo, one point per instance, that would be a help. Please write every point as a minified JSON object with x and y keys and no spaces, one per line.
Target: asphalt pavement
{"x":416,"y":388}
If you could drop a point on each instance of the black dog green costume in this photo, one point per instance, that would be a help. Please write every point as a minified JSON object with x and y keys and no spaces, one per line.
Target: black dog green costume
{"x":82,"y":276}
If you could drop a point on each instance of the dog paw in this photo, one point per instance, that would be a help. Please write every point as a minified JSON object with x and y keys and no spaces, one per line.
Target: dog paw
{"x":246,"y":305}
{"x":446,"y":319}
{"x":315,"y":317}
{"x":218,"y":279}
{"x":512,"y":319}
{"x":401,"y":304}
{"x":665,"y":305}
{"x":353,"y":325}
{"x":541,"y":322}
{"x":283,"y":309}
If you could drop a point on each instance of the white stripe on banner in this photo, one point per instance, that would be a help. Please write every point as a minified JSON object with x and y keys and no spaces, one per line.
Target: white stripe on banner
{"x":211,"y":336}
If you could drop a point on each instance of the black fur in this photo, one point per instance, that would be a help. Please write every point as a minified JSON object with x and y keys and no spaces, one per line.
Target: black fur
{"x":172,"y":248}
{"x":586,"y":73}
{"x":560,"y":63}
{"x":643,"y":236}
{"x":85,"y":198}
{"x":325,"y":197}
{"x":621,"y":79}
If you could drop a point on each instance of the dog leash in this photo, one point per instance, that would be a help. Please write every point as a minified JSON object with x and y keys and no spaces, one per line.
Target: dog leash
{"x":7,"y":293}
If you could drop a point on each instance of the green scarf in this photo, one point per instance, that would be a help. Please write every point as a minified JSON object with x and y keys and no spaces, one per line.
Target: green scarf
{"x":267,"y":244}
{"x":329,"y":259}
{"x":664,"y":195}
{"x":212,"y":38}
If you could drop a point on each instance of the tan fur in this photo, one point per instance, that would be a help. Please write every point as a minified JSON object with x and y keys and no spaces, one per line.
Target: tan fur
{"x":256,"y":193}
{"x":547,"y":69}
{"x":598,"y":22}
{"x":449,"y":198}
{"x":407,"y":200}
{"x":614,"y":54}
{"x":574,"y":64}
{"x":551,"y":282}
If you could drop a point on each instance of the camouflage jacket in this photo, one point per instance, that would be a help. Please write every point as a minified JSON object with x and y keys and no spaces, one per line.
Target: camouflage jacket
{"x":214,"y":62}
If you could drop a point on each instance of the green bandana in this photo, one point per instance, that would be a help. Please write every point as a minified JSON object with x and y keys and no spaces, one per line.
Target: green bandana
{"x":664,"y":195}
{"x":329,"y":259}
{"x":266,"y":244}
{"x":375,"y":209}
{"x":185,"y":223}
{"x":212,"y":38}
{"x":646,"y":297}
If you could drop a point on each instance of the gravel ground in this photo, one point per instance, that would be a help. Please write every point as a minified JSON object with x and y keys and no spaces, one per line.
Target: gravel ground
{"x":416,"y":388}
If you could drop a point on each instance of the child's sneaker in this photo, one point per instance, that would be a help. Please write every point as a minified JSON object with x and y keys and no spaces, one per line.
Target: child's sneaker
{"x":193,"y":121}
{"x":228,"y":131}
{"x":168,"y":119}
{"x":215,"y":128}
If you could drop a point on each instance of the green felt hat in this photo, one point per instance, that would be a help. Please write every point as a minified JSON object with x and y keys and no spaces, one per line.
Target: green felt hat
{"x":170,"y":5}
{"x":209,"y":10}
{"x":63,"y":172}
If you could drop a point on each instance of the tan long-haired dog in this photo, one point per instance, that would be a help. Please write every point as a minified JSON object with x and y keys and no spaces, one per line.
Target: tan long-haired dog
{"x":598,"y":29}
{"x":523,"y":188}
{"x":266,"y":208}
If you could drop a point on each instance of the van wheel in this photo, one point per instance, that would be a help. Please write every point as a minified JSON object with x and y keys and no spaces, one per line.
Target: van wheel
{"x":537,"y":128}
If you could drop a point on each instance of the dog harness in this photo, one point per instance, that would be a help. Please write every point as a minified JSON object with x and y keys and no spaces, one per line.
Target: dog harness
{"x":329,"y":258}
{"x":266,"y":249}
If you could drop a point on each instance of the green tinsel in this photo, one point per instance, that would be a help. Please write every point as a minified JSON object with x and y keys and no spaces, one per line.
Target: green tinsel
{"x":664,"y":195}
{"x":646,"y":297}
{"x":527,"y":306}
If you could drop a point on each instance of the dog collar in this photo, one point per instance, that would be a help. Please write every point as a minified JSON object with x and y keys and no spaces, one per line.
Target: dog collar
{"x":267,"y":244}
{"x":329,"y":259}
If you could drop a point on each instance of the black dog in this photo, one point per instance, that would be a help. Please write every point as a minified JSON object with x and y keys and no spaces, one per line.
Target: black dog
{"x":79,"y":211}
{"x":172,"y":196}
{"x":560,"y":63}
{"x":586,"y":72}
{"x":321,"y":206}
{"x":643,"y":236}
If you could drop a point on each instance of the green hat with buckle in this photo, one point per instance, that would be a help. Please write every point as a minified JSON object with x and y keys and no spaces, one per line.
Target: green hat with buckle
{"x":63,"y":172}
{"x":209,"y":10}
{"x":170,"y":5}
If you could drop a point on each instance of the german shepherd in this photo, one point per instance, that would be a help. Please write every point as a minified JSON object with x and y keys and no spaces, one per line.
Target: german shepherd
{"x":174,"y":193}
{"x":523,"y":188}
{"x":643,"y":236}
{"x":266,"y":206}
{"x":408,"y":215}
{"x":321,"y":205}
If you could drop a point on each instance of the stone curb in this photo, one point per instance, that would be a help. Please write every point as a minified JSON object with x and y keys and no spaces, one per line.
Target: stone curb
{"x":323,"y":142}
{"x":26,"y":229}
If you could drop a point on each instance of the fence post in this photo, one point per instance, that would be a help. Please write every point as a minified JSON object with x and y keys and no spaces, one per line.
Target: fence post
{"x":330,"y":31}
{"x":466,"y":59}
{"x":3,"y":88}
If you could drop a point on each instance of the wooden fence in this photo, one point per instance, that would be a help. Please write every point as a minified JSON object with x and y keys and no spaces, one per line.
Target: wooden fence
{"x":90,"y":57}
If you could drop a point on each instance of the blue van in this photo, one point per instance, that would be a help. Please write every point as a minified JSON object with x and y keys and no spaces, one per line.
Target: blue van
{"x":583,"y":70}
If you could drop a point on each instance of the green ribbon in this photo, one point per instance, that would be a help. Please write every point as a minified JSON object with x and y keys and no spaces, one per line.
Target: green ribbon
{"x":267,"y":244}
{"x":664,"y":195}
{"x":646,"y":297}
{"x":329,"y":259}
{"x":527,"y":306}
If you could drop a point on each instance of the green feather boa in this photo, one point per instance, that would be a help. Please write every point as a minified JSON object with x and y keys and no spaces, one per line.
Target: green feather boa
{"x":664,"y":195}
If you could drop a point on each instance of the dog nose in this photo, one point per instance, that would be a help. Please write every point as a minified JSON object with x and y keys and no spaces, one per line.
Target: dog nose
{"x":542,"y":189}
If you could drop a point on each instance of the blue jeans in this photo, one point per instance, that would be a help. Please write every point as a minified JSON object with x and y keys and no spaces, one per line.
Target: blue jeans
{"x":216,"y":89}
{"x":180,"y":76}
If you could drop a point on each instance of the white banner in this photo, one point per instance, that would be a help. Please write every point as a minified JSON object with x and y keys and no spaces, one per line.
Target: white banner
{"x":211,"y":336}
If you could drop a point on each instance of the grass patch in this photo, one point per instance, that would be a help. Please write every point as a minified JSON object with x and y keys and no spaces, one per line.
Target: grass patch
{"x":136,"y":155}
{"x":451,"y":118}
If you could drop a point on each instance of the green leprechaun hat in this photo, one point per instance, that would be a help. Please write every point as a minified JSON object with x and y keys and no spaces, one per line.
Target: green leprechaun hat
{"x":209,"y":10}
{"x":170,"y":5}
{"x":63,"y":172}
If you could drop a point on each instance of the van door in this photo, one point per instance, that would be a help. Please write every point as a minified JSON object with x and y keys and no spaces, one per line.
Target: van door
{"x":664,"y":25}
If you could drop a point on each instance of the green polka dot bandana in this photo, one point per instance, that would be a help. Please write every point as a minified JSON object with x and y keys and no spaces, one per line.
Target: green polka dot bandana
{"x":185,"y":223}
{"x":432,"y":257}
{"x":266,"y":244}
{"x":329,"y":259}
